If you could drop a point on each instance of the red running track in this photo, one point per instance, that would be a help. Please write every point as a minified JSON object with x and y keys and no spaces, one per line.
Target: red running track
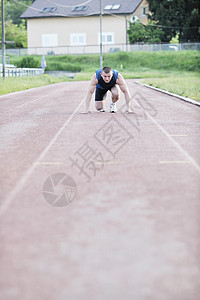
{"x":99,"y":206}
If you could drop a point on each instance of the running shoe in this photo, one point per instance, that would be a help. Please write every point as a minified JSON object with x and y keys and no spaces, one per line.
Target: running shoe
{"x":113,"y":107}
{"x":102,"y":110}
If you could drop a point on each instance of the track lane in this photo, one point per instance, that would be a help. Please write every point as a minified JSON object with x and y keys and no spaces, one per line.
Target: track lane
{"x":133,"y":229}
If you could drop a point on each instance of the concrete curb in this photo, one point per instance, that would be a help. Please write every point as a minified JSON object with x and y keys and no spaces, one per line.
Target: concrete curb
{"x":171,"y":94}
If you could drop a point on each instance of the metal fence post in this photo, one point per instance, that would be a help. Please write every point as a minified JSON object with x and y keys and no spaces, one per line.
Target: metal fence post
{"x":3,"y":37}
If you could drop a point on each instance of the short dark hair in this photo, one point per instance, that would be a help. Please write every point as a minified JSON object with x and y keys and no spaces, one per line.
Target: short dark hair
{"x":106,"y":70}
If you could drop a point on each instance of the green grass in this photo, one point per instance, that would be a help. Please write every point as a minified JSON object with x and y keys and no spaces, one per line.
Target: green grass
{"x":129,"y":61}
{"x":163,"y":60}
{"x":14,"y":84}
{"x":176,"y":72}
{"x":186,"y":84}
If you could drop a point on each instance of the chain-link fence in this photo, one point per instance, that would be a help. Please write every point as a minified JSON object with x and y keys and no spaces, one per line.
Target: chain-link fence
{"x":94,"y":49}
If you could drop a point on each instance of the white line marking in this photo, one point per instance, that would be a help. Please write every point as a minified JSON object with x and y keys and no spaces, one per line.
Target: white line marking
{"x":48,"y":163}
{"x":177,"y":134}
{"x":194,"y":163}
{"x":37,"y":99}
{"x":29,"y":90}
{"x":108,"y":162}
{"x":196,"y":102}
{"x":174,"y":162}
{"x":29,"y":172}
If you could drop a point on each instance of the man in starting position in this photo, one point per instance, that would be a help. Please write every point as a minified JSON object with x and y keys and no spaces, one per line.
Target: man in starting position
{"x":103,"y":81}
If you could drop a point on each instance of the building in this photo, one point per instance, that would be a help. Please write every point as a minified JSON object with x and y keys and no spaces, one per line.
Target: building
{"x":71,"y":26}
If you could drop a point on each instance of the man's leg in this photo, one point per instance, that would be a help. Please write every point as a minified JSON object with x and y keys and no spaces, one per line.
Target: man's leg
{"x":99,"y":105}
{"x":115,"y":91}
{"x":100,"y":95}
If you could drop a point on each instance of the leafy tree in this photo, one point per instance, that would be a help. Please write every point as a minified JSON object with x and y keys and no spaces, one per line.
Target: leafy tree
{"x":15,"y":28}
{"x":15,"y":33}
{"x":140,"y":33}
{"x":180,"y":17}
{"x":13,"y":10}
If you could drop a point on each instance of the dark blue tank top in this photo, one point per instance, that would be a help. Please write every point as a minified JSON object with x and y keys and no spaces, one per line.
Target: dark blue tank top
{"x":102,"y":84}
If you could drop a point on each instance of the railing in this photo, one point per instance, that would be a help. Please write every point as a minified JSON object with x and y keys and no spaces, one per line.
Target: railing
{"x":17,"y":72}
{"x":7,"y":59}
{"x":94,"y":49}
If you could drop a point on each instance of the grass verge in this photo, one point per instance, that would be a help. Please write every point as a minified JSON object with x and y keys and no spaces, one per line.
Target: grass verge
{"x":186,"y":84}
{"x":14,"y":84}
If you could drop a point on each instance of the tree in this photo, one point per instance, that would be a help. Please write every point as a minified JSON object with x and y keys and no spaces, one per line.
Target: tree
{"x":180,"y":17}
{"x":15,"y":33}
{"x":138,"y":32}
{"x":15,"y":28}
{"x":13,"y":10}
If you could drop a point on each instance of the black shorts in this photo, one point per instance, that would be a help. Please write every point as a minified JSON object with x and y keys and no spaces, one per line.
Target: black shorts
{"x":100,"y":94}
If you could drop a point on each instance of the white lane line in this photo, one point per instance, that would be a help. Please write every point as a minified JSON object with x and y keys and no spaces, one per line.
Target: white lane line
{"x":21,"y":105}
{"x":177,"y":134}
{"x":36,"y":99}
{"x":20,"y":184}
{"x":108,"y":162}
{"x":170,"y":94}
{"x":174,"y":142}
{"x":48,"y":163}
{"x":28,"y":90}
{"x":174,"y":162}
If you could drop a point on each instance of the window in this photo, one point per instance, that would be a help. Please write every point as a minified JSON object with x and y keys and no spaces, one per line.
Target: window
{"x":50,"y":40}
{"x":144,"y":10}
{"x":80,"y":8}
{"x":113,"y":6}
{"x":107,"y":38}
{"x":108,"y":7}
{"x":116,"y":6}
{"x":77,"y":39}
{"x":48,"y":9}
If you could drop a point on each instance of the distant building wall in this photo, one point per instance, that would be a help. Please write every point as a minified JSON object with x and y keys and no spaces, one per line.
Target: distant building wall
{"x":46,"y":32}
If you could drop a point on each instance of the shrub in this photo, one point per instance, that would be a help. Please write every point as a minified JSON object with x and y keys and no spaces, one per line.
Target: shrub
{"x":59,"y":66}
{"x":28,"y":62}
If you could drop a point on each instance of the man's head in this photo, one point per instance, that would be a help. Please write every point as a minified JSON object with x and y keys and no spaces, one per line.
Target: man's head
{"x":107,"y":74}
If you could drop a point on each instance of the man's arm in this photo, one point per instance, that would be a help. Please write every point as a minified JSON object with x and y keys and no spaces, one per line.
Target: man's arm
{"x":123,"y":87}
{"x":90,"y":91}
